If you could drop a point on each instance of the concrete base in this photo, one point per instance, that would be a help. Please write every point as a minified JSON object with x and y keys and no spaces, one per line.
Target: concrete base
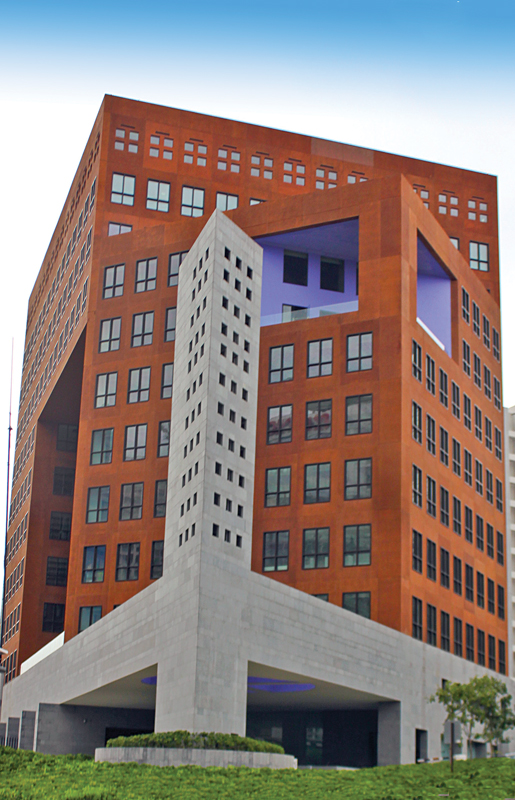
{"x":181,"y":757}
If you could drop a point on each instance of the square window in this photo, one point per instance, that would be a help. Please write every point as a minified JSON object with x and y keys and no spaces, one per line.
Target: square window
{"x":158,"y":196}
{"x":192,"y":204}
{"x":357,"y":602}
{"x":122,"y":189}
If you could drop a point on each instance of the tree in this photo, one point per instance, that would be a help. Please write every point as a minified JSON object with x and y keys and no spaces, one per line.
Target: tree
{"x":484,"y":701}
{"x":493,"y":710}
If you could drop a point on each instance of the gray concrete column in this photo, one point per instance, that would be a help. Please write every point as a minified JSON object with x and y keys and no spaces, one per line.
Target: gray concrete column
{"x":389,"y":734}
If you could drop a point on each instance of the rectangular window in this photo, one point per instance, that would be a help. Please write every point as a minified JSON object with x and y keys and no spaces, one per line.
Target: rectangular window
{"x":416,"y":630}
{"x":117,"y":228}
{"x":318,"y":419}
{"x":497,"y":394}
{"x":445,"y":631}
{"x":417,"y":486}
{"x":320,"y":358}
{"x":498,"y":444}
{"x":88,"y":615}
{"x":469,"y":642}
{"x":444,"y":506}
{"x":491,"y":596}
{"x":317,"y":483}
{"x":57,"y":571}
{"x":476,"y":319}
{"x":466,"y":358}
{"x":496,"y":346}
{"x":315,"y":548}
{"x":358,"y":414}
{"x":469,"y":583}
{"x":444,"y":388}
{"x":456,"y":515}
{"x":109,"y":335}
{"x":357,"y":545}
{"x":135,"y":445}
{"x":431,"y":624}
{"x":444,"y":446}
{"x":142,"y":329}
{"x":170,"y":324}
{"x":280,"y":365}
{"x":332,"y":274}
{"x":357,"y":602}
{"x":98,"y":504}
{"x":295,"y":268}
{"x":93,"y":564}
{"x":60,"y":525}
{"x":430,"y":375}
{"x":105,"y":391}
{"x":163,"y":439}
{"x":458,"y":637}
{"x":275,"y":551}
{"x":479,"y":477}
{"x":127,"y":562}
{"x":416,"y":360}
{"x":500,"y":602}
{"x":487,"y":382}
{"x":67,"y":438}
{"x":431,"y":434}
{"x":146,"y":275}
{"x":491,"y":652}
{"x":131,"y":501}
{"x":192,"y":202}
{"x":478,"y":423}
{"x":500,"y":548}
{"x":467,"y":466}
{"x":174,"y":262}
{"x":488,"y":433}
{"x":64,"y":479}
{"x":456,"y":457}
{"x":477,"y":371}
{"x":480,"y":589}
{"x":467,"y":412}
{"x":277,"y":487}
{"x":457,"y":582}
{"x":158,"y":196}
{"x":489,"y":486}
{"x":138,"y":389}
{"x":226,"y":202}
{"x":417,"y":552}
{"x":102,"y":446}
{"x":478,"y":253}
{"x":465,"y":305}
{"x":481,"y":648}
{"x":122,"y":189}
{"x":359,"y":352}
{"x":166,"y":381}
{"x":480,"y":533}
{"x":431,"y":560}
{"x":445,"y":569}
{"x":431,"y":496}
{"x":279,"y":423}
{"x":358,"y":479}
{"x":160,"y":499}
{"x":53,"y":617}
{"x":416,"y":422}
{"x":456,"y":400}
{"x":156,"y":563}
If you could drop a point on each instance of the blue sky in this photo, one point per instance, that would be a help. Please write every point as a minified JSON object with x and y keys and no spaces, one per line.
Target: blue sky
{"x":429,"y":78}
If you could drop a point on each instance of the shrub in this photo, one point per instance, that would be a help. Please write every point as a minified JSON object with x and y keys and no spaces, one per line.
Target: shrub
{"x":196,"y":741}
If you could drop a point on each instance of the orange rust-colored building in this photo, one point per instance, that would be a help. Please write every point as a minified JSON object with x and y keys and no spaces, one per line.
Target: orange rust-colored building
{"x":379,"y":466}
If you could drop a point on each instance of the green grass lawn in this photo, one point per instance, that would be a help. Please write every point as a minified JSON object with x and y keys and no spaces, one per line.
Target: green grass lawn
{"x":26,"y":775}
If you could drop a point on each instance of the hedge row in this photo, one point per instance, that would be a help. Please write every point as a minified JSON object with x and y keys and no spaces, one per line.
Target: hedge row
{"x":196,"y":741}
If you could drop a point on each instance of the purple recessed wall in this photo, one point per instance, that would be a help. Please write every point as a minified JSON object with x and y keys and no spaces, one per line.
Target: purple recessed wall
{"x":338,"y":240}
{"x":434,"y":296}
